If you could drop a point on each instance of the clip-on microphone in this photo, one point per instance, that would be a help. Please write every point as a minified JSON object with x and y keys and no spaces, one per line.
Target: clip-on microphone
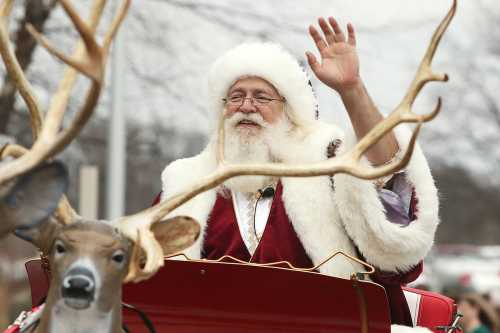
{"x":268,"y":192}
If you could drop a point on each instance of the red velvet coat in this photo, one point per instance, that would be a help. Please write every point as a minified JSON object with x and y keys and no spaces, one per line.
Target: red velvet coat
{"x":280,"y":243}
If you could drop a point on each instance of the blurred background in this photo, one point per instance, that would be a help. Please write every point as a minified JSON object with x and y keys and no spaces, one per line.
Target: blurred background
{"x":156,"y":88}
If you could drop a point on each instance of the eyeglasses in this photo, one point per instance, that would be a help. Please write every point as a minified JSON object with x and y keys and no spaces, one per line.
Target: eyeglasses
{"x":237,"y":101}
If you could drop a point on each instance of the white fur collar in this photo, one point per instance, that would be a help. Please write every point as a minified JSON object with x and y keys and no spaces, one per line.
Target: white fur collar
{"x":327,"y":220}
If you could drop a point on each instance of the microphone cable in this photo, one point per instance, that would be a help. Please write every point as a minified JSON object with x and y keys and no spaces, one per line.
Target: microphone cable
{"x":268,"y":192}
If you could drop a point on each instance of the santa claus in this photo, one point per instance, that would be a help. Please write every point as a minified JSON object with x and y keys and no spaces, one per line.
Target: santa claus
{"x":270,"y":115}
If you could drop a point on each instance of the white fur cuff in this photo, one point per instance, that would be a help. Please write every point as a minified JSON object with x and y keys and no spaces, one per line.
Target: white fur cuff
{"x":386,"y":245}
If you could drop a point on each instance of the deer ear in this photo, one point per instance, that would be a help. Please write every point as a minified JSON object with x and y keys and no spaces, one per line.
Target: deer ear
{"x":32,"y":199}
{"x":176,"y":234}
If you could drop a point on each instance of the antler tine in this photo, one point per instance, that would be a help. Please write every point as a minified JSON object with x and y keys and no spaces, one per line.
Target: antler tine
{"x":119,"y":17}
{"x":86,"y":31}
{"x":439,"y":32}
{"x":12,"y":150}
{"x":136,"y":227}
{"x":79,"y":65}
{"x":220,"y":140}
{"x":61,"y":97}
{"x":134,"y":270}
{"x":394,"y":166}
{"x":389,"y":123}
{"x":6,"y":8}
{"x":91,"y":66}
{"x":65,"y":212}
{"x":424,"y":72}
{"x":2,"y":150}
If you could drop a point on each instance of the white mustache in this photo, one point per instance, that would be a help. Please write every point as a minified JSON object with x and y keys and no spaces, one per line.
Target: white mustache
{"x":240,"y":116}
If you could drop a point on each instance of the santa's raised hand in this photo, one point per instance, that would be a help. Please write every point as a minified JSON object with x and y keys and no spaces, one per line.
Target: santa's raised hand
{"x":339,"y":69}
{"x":339,"y":66}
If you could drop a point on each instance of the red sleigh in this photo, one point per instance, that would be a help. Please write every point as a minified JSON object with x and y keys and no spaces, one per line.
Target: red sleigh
{"x":207,"y":296}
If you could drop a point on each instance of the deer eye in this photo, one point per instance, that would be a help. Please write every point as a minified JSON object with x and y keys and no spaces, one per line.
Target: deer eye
{"x":60,"y":249}
{"x":118,"y":257}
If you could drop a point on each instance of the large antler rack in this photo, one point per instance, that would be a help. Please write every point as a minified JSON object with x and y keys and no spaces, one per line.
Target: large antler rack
{"x":137,"y":227}
{"x":88,"y":59}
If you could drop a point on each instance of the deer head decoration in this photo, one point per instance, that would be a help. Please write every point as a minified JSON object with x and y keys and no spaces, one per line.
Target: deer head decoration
{"x":88,"y":259}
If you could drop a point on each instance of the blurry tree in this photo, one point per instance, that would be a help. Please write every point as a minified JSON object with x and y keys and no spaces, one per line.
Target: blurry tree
{"x":478,"y":60}
{"x":469,"y":206}
{"x":489,"y":28}
{"x":469,"y":211}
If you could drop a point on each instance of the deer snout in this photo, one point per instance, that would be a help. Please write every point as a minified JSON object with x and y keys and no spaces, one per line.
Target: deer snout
{"x":78,"y":288}
{"x":79,"y":282}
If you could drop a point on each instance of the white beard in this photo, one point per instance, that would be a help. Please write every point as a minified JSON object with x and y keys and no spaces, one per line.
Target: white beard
{"x":243,"y":147}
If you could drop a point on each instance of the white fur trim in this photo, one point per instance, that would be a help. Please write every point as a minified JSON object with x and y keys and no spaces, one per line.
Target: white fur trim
{"x":320,"y":217}
{"x":178,"y":176}
{"x":270,"y":62}
{"x":308,"y":203}
{"x":386,"y":245}
{"x":406,"y":329}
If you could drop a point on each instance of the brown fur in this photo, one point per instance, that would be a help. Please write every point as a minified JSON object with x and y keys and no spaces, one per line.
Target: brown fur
{"x":97,"y":241}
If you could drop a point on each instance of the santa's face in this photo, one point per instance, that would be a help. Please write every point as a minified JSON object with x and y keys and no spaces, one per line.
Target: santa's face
{"x":252,"y":104}
{"x":254,"y":118}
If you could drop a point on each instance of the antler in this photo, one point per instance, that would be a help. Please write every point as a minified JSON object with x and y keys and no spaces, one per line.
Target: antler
{"x":137,"y":226}
{"x":88,"y":60}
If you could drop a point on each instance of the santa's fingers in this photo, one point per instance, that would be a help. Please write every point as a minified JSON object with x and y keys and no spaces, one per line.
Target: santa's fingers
{"x":313,"y":63}
{"x":327,"y":31}
{"x":339,"y":34}
{"x":351,"y":35}
{"x":318,"y":40}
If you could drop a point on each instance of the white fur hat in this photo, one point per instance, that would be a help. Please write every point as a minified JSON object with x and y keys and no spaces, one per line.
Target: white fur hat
{"x":272,"y":63}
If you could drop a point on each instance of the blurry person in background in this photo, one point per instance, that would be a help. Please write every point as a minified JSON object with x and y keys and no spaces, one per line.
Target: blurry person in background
{"x":478,"y":315}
